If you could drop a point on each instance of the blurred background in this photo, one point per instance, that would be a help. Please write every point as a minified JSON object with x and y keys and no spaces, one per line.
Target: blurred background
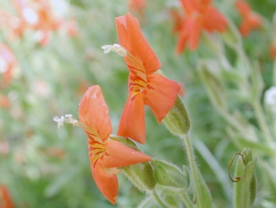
{"x":54,"y":62}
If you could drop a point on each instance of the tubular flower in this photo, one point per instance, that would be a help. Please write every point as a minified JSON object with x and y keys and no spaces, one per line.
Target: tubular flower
{"x":146,"y":87}
{"x":5,"y":200}
{"x":106,"y":155}
{"x":200,"y":15}
{"x":7,"y":63}
{"x":250,"y":21}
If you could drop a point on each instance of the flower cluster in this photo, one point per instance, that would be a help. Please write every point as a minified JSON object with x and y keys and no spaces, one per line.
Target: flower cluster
{"x":38,"y":16}
{"x":200,"y":15}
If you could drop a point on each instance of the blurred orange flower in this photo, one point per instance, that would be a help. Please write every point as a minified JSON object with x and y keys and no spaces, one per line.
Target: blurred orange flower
{"x":7,"y":63}
{"x":250,"y":20}
{"x":145,"y":86}
{"x":177,"y":19}
{"x":12,"y":23}
{"x":4,"y":101}
{"x":5,"y":199}
{"x":272,"y":51}
{"x":137,"y":5}
{"x":38,"y":15}
{"x":200,"y":15}
{"x":106,"y":155}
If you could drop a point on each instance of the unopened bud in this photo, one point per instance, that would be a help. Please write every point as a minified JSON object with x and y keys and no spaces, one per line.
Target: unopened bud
{"x":244,"y":179}
{"x":177,"y":119}
{"x":170,"y":175}
{"x":141,"y":175}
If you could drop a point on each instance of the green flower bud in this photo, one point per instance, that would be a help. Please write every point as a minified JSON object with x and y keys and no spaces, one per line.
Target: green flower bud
{"x":213,"y":85}
{"x":177,"y":119}
{"x":245,"y":179}
{"x":170,"y":175}
{"x":141,"y":175}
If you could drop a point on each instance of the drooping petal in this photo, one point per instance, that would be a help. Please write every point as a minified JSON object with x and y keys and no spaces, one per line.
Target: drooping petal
{"x":183,"y":38}
{"x":161,"y":95}
{"x":189,"y":6}
{"x":243,"y":8}
{"x":194,"y":28}
{"x":131,"y":38}
{"x":245,"y":28}
{"x":94,"y":112}
{"x":132,"y":121}
{"x":107,"y":184}
{"x":119,"y":155}
{"x":213,"y":20}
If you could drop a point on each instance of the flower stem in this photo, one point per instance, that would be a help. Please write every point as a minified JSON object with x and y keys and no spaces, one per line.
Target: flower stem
{"x":202,"y":192}
{"x":191,"y":160}
{"x":157,"y":198}
{"x":262,"y":122}
{"x":187,"y":200}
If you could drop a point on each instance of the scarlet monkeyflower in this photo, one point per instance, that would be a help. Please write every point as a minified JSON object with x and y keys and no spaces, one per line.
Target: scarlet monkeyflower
{"x":200,"y":15}
{"x":250,"y":20}
{"x":5,"y":199}
{"x":106,"y":155}
{"x":146,"y":87}
{"x":7,"y":63}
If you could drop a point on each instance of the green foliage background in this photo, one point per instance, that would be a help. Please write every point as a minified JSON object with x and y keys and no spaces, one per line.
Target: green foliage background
{"x":37,"y":178}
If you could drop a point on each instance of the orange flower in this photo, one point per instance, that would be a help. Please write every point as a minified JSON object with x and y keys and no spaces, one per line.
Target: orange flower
{"x":106,"y":155}
{"x":200,"y":15}
{"x":145,"y":86}
{"x":136,"y":5}
{"x":38,"y":15}
{"x":177,"y":20}
{"x":5,"y":200}
{"x":7,"y":63}
{"x":12,"y":23}
{"x":272,"y":51}
{"x":250,"y":21}
{"x":4,"y":101}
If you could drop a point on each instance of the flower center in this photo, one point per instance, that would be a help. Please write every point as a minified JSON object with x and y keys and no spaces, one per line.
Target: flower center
{"x":96,"y":151}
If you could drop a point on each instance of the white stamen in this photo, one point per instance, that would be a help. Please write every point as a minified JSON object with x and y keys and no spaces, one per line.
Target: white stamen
{"x":116,"y":48}
{"x":68,"y":118}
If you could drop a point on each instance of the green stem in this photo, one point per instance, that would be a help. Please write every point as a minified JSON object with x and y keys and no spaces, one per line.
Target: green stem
{"x":191,"y":160}
{"x":187,"y":200}
{"x":262,"y":122}
{"x":157,"y":198}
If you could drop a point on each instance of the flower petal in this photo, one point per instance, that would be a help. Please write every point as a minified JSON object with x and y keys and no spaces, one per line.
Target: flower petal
{"x":107,"y":184}
{"x":131,"y":38}
{"x":119,"y":155}
{"x":194,"y":28}
{"x":161,"y":95}
{"x":132,"y":122}
{"x":213,"y":20}
{"x":94,"y":112}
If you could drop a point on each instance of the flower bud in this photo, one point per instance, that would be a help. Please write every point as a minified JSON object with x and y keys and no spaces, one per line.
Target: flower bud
{"x":213,"y":85}
{"x":177,"y":119}
{"x":170,"y":175}
{"x":245,"y":179}
{"x":231,"y":37}
{"x":141,"y":175}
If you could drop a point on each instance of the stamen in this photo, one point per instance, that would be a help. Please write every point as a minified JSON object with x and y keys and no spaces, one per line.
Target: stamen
{"x":68,"y":118}
{"x":115,"y":48}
